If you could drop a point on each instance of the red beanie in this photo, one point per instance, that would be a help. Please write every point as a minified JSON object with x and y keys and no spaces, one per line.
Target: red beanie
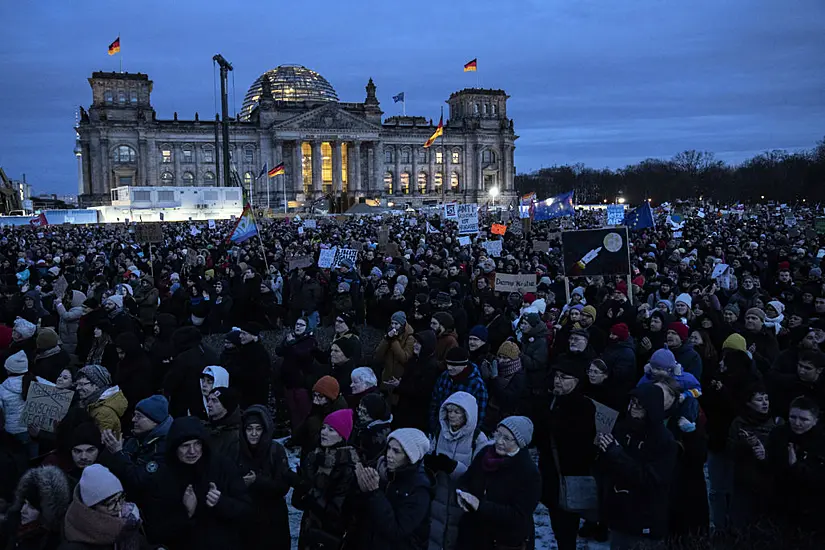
{"x":621,"y":286}
{"x":784,"y":266}
{"x":639,"y":281}
{"x":341,"y":422}
{"x":621,"y":331}
{"x":529,"y":298}
{"x":679,"y":328}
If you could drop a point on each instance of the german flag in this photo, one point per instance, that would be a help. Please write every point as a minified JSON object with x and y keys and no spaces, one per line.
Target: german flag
{"x":471,"y":66}
{"x":114,"y":47}
{"x":277,"y":170}
{"x":438,"y":132}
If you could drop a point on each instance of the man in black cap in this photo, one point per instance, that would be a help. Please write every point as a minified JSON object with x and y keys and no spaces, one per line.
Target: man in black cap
{"x":224,"y":420}
{"x":249,"y":365}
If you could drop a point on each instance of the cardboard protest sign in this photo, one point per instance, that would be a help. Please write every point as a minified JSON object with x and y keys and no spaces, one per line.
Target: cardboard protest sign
{"x":383,"y":237}
{"x":591,"y":252}
{"x":718,"y":270}
{"x":605,"y":418}
{"x":498,"y":229}
{"x":327,"y":257}
{"x":515,"y":283}
{"x":541,"y":246}
{"x":299,"y":262}
{"x":464,"y":241}
{"x":211,"y":224}
{"x":493,"y":248}
{"x":467,"y":219}
{"x":46,"y":405}
{"x":345,"y":253}
{"x":149,"y":233}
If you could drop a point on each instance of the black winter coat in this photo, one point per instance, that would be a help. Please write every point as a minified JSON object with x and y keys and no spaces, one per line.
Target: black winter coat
{"x":508,"y":496}
{"x":250,"y":371}
{"x":620,"y":358}
{"x":416,"y":387}
{"x":182,"y":382}
{"x":798,"y":487}
{"x":49,"y":363}
{"x":297,"y":368}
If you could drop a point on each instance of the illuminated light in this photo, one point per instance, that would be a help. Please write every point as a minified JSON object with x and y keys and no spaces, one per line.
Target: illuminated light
{"x":650,"y":200}
{"x":390,"y":204}
{"x":621,"y":200}
{"x":494,"y":192}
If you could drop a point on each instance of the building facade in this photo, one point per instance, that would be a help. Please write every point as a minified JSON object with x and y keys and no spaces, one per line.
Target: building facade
{"x":292,"y":115}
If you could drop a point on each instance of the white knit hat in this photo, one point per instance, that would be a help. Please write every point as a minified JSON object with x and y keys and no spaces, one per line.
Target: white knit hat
{"x":25,"y":328}
{"x":521,"y":427}
{"x":97,"y":484}
{"x":413,"y":441}
{"x":116,"y":299}
{"x":17,"y":363}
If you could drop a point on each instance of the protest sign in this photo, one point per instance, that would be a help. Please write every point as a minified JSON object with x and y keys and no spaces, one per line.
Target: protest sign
{"x":493,"y":248}
{"x":310,"y":224}
{"x":541,"y":246}
{"x":467,"y":218}
{"x":677,"y":234}
{"x":412,"y":222}
{"x":149,"y":233}
{"x":464,"y":241}
{"x":451,"y":211}
{"x":327,"y":257}
{"x":345,"y":253}
{"x":211,"y":224}
{"x":46,"y":405}
{"x":790,"y":220}
{"x":718,"y":270}
{"x":498,"y":229}
{"x":301,"y":230}
{"x":515,"y":283}
{"x":615,"y":214}
{"x":299,"y":262}
{"x":605,"y":418}
{"x":595,"y":252}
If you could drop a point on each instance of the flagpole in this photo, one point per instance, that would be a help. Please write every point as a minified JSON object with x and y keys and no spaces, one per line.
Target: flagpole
{"x":120,"y":51}
{"x":260,"y":240}
{"x":285,"y":202}
{"x":404,"y":105}
{"x":443,"y":161}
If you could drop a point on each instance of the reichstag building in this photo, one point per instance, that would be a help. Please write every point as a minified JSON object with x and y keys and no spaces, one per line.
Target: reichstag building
{"x":292,"y":115}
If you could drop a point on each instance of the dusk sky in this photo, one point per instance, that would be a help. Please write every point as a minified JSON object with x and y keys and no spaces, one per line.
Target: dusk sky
{"x":601,"y":82}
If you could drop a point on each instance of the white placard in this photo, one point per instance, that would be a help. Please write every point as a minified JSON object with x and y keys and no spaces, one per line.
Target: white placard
{"x":493,"y":248}
{"x":310,"y":224}
{"x":467,"y":219}
{"x":211,"y":224}
{"x":718,"y":270}
{"x":464,"y":241}
{"x":326,"y":257}
{"x":451,"y":211}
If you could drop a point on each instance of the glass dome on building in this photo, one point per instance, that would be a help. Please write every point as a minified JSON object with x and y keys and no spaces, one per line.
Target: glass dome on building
{"x":289,"y":83}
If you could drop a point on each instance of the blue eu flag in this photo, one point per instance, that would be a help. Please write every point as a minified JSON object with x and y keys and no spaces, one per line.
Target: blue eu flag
{"x":554,"y":207}
{"x":399,"y":97}
{"x":640,"y":217}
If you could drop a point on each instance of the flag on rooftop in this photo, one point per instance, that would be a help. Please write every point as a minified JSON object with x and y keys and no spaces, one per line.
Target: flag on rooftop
{"x":471,"y":66}
{"x":399,"y":97}
{"x":114,"y":47}
{"x":438,"y":132}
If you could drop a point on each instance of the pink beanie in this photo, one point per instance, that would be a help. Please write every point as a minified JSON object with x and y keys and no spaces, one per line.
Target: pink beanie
{"x":341,"y":422}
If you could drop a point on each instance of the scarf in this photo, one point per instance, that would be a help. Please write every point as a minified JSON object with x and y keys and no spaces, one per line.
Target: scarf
{"x":95,"y":356}
{"x":491,"y":461}
{"x":47,"y":353}
{"x":88,"y":526}
{"x":506,"y":369}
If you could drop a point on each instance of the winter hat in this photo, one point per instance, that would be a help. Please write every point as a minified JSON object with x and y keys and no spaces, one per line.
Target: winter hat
{"x":328,"y":387}
{"x":578,"y":290}
{"x":589,"y":310}
{"x":399,"y":317}
{"x":156,"y":408}
{"x":252,"y":328}
{"x":348,"y":346}
{"x":341,"y":422}
{"x":735,"y":342}
{"x":445,"y":320}
{"x":580,"y":332}
{"x":815,"y":272}
{"x":377,"y":407}
{"x":685,"y":299}
{"x":343,"y":286}
{"x":54,"y":270}
{"x":46,"y":338}
{"x":510,"y":350}
{"x":778,"y":306}
{"x":457,"y":357}
{"x":639,"y":281}
{"x":480,"y":332}
{"x":529,"y":298}
{"x":234,"y":338}
{"x":348,"y":318}
{"x":17,"y":363}
{"x":570,"y":367}
{"x":756,"y":311}
{"x":679,"y":328}
{"x":621,"y":331}
{"x":376,"y":272}
{"x":521,"y":427}
{"x":663,"y":359}
{"x":667,"y":303}
{"x":733,"y":307}
{"x":346,"y":262}
{"x":229,"y":398}
{"x":413,"y":441}
{"x":116,"y":299}
{"x":86,"y":433}
{"x":532,"y":318}
{"x":97,"y":375}
{"x":621,"y":286}
{"x":97,"y":484}
{"x":25,"y":328}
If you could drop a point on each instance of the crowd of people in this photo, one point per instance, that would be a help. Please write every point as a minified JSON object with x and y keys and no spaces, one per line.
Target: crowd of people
{"x":446,"y":432}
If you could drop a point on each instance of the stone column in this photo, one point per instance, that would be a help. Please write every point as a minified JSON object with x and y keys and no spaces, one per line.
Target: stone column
{"x":414,"y":175}
{"x":396,"y":179}
{"x":431,"y":158}
{"x":106,"y":179}
{"x":277,"y":186}
{"x":378,"y":167}
{"x":317,"y":183}
{"x":152,"y":177}
{"x":448,"y":156}
{"x":176,"y":154}
{"x":480,"y":183}
{"x":354,"y":173}
{"x":87,"y":168}
{"x":298,"y":168}
{"x":337,"y":169}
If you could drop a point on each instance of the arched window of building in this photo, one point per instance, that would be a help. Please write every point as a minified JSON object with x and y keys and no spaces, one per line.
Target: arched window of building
{"x":454,"y":182}
{"x":422,"y":156}
{"x":405,"y":156}
{"x":247,"y":180}
{"x":209,"y":179}
{"x":124,"y":153}
{"x":388,"y":182}
{"x":108,"y":96}
{"x":488,"y":156}
{"x":493,"y":108}
{"x":133,"y":96}
{"x":475,"y":108}
{"x":167,"y":178}
{"x":208,"y":153}
{"x":187,"y":155}
{"x":121,"y":97}
{"x":438,"y":178}
{"x":405,"y":183}
{"x":166,"y":155}
{"x":249,"y":155}
{"x":456,"y":156}
{"x":388,"y":155}
{"x":188,"y":178}
{"x":422,"y":182}
{"x":485,"y":107}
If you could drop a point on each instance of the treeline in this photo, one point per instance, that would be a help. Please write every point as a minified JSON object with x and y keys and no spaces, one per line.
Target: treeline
{"x":774,"y":175}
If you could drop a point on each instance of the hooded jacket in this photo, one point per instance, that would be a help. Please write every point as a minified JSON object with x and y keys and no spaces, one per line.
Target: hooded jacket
{"x":182,"y":381}
{"x":12,"y":403}
{"x":393,"y":354}
{"x":462,"y":446}
{"x":638,"y":469}
{"x":210,"y":528}
{"x":620,"y":358}
{"x":250,"y":370}
{"x":109,"y":409}
{"x":51,"y":486}
{"x":70,"y":321}
{"x":416,"y":387}
{"x":534,"y":358}
{"x":689,"y":358}
{"x":163,"y":350}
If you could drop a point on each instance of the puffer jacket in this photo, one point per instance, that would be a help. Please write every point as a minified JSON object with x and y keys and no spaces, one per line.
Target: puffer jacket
{"x":108,"y":410}
{"x":461,"y":446}
{"x":70,"y":321}
{"x":620,"y":358}
{"x":393,"y":354}
{"x":534,"y":358}
{"x":12,"y":404}
{"x":147,"y":302}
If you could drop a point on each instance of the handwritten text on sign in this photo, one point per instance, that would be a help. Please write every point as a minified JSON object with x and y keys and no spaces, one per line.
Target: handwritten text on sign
{"x":467,"y":219}
{"x":515,"y":283}
{"x":46,"y":406}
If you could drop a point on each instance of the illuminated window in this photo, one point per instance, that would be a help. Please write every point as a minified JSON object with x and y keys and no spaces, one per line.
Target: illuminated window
{"x":326,"y":166}
{"x":306,"y":165}
{"x":247,"y":180}
{"x":456,"y":157}
{"x":344,"y":166}
{"x":422,"y":182}
{"x":108,"y":97}
{"x":439,"y":157}
{"x":167,"y":178}
{"x":405,"y":183}
{"x":405,"y":156}
{"x":209,"y":179}
{"x":121,"y":97}
{"x":488,"y":156}
{"x":133,"y":96}
{"x":188,"y":156}
{"x":188,"y":178}
{"x":208,"y":154}
{"x":388,"y":182}
{"x":454,"y":181}
{"x":141,"y":195}
{"x":124,"y":153}
{"x":166,"y":156}
{"x":249,"y":155}
{"x":388,"y":156}
{"x":437,"y":179}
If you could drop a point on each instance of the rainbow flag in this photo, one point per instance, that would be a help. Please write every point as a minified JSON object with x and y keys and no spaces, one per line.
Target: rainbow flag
{"x":245,"y":228}
{"x":471,"y":66}
{"x":114,"y":47}
{"x":277,"y":170}
{"x":438,"y":132}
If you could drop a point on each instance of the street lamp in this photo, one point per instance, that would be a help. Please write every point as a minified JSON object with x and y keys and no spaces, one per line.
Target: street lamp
{"x":493,"y":195}
{"x":621,"y":200}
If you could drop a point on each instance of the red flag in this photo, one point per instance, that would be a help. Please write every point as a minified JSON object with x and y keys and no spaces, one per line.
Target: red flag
{"x":39,"y":221}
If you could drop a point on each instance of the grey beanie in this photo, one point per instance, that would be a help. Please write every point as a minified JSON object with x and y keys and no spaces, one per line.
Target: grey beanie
{"x":399,"y":317}
{"x":521,"y":427}
{"x":97,"y":375}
